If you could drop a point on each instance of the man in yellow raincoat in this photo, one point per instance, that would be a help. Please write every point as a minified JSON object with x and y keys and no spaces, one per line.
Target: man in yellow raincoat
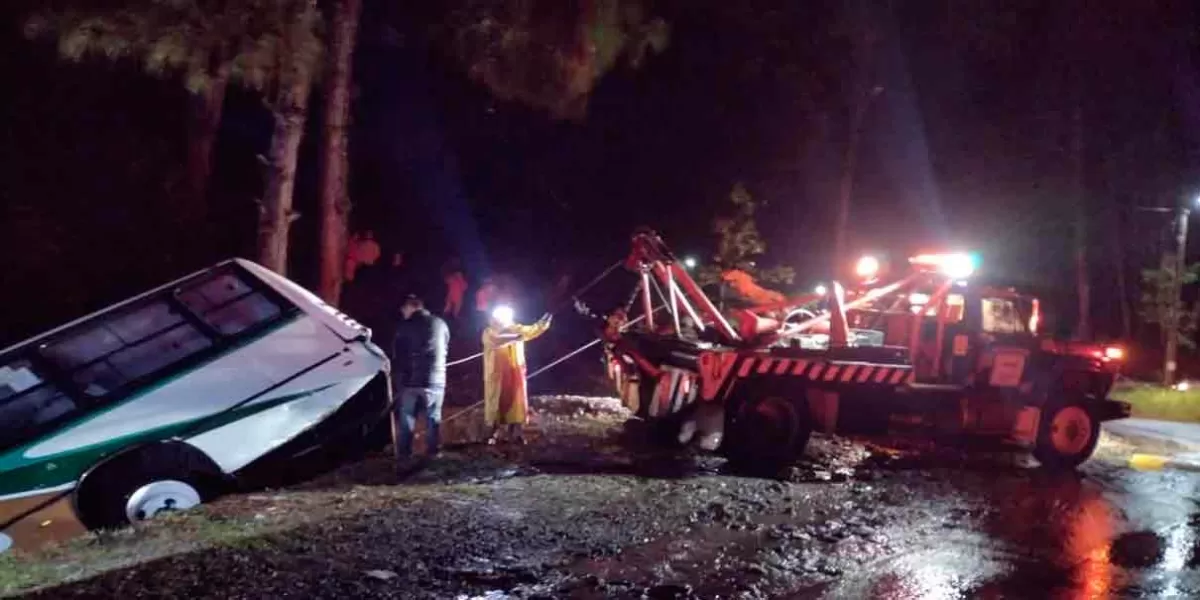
{"x":505,"y":397}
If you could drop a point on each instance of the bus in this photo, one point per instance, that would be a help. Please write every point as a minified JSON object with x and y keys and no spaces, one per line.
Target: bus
{"x":168,"y":399}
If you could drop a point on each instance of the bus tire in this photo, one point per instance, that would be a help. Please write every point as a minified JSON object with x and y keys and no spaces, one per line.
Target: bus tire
{"x":144,"y":482}
{"x":766,"y":434}
{"x":1067,"y":435}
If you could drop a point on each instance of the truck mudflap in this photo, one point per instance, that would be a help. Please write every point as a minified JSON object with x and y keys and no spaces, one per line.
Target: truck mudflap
{"x":1111,"y":410}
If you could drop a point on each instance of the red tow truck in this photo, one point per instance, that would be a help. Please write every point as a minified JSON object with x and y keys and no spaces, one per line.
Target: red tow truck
{"x":929,"y":351}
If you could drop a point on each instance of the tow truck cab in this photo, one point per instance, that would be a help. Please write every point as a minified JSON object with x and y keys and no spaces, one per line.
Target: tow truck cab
{"x":986,"y":337}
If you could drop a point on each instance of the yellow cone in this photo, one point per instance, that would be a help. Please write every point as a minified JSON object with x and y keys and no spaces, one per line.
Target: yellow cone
{"x":1148,"y":462}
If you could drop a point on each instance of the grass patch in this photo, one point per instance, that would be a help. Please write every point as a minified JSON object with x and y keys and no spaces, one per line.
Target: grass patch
{"x":1156,"y":402}
{"x":97,"y":552}
{"x":245,"y":522}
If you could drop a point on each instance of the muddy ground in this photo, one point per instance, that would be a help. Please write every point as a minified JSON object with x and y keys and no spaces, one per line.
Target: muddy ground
{"x":585,"y":511}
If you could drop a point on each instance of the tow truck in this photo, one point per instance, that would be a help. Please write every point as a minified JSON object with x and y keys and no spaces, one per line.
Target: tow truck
{"x":925,"y":350}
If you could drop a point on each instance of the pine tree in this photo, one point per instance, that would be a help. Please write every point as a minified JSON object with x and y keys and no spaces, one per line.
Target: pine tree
{"x":1161,"y":306}
{"x":739,"y":244}
{"x":334,"y":173}
{"x":271,"y":46}
{"x":550,"y":55}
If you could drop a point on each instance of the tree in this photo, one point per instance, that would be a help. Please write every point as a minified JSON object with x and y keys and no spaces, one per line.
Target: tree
{"x":550,"y":55}
{"x":296,"y":53}
{"x":1162,"y":305}
{"x":333,"y":182}
{"x":739,"y":244}
{"x":158,"y":35}
{"x":271,"y":46}
{"x":863,"y":32}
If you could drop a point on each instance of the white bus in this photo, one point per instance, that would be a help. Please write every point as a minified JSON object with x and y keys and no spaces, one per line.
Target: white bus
{"x":162,"y":401}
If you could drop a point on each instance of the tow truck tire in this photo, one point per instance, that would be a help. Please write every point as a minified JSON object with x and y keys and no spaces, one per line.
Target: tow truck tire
{"x":1067,"y":435}
{"x":767,"y":434}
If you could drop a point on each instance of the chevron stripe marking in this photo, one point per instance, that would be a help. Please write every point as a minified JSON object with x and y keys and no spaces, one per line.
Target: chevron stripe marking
{"x":831,"y":373}
{"x":783,"y":365}
{"x":897,"y":377}
{"x":765,"y":365}
{"x":881,"y":374}
{"x":848,"y":372}
{"x":815,"y":372}
{"x":747,"y":364}
{"x":865,"y":373}
{"x":801,"y":365}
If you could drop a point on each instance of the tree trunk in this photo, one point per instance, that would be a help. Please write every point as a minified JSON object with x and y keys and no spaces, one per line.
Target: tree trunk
{"x":1121,"y":266}
{"x":334,"y":173}
{"x":1083,"y":329}
{"x":863,"y":94}
{"x":203,"y":126}
{"x":276,"y":215}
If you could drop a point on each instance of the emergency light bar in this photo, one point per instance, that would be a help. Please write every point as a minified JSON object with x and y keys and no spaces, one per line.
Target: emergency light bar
{"x":867,"y":267}
{"x":956,"y":266}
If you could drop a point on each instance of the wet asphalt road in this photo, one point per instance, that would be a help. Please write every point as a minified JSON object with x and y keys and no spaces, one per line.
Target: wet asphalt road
{"x":1183,"y":434}
{"x":986,"y":531}
{"x":577,"y":515}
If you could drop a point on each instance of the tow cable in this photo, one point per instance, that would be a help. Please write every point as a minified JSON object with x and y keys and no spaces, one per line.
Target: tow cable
{"x":552,"y":364}
{"x":573,"y":299}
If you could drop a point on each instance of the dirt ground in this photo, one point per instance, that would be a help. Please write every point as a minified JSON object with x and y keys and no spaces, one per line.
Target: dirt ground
{"x":584,"y":511}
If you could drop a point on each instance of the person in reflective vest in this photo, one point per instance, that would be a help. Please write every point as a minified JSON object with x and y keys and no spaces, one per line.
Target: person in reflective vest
{"x":505,"y":396}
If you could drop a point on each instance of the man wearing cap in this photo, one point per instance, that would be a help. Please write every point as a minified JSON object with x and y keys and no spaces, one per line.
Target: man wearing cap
{"x":505,"y":397}
{"x":419,"y":371}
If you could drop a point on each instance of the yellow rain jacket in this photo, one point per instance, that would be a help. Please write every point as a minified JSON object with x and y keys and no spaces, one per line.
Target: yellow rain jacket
{"x":505,"y":397}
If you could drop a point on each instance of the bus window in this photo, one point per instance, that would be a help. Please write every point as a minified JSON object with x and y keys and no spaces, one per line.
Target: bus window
{"x":213,"y":293}
{"x":83,"y":348}
{"x":27,"y":403}
{"x":228,"y":305}
{"x":1000,"y":315}
{"x":159,"y":352}
{"x":132,"y":345}
{"x":147,"y":321}
{"x":242,"y":314}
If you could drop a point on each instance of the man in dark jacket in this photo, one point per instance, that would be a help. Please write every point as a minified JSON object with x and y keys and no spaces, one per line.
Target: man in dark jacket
{"x":419,"y":372}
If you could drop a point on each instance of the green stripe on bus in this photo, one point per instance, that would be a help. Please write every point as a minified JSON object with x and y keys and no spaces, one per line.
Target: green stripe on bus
{"x":19,"y":474}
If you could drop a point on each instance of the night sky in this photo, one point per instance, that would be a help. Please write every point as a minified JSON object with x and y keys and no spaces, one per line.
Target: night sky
{"x":966,"y":147}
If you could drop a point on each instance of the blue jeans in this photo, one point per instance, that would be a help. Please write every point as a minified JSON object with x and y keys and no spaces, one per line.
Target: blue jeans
{"x":412,"y":400}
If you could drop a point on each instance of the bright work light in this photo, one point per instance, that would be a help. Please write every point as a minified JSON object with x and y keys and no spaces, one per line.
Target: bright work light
{"x":958,"y":266}
{"x":504,"y":315}
{"x":955,"y":266}
{"x":867,"y":267}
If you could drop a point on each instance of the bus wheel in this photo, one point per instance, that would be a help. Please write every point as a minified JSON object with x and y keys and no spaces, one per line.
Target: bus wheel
{"x":1067,"y":435}
{"x":158,"y":497}
{"x":767,"y":434}
{"x":146,"y":483}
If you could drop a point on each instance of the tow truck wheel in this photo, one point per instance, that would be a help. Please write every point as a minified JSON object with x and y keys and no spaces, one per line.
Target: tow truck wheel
{"x":767,"y":433}
{"x":1067,"y":435}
